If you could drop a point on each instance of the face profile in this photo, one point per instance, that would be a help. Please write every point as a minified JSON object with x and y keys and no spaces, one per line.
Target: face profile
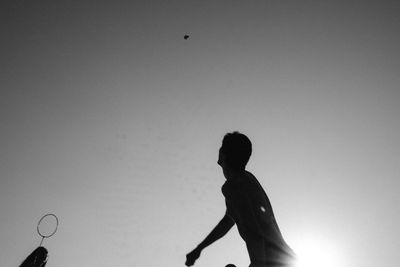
{"x":222,"y":162}
{"x":221,"y":159}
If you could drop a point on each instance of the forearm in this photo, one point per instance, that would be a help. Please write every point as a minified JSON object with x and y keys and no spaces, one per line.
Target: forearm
{"x":219,"y":231}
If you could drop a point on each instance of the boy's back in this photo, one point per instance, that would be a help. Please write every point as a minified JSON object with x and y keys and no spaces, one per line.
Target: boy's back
{"x":249,"y":207}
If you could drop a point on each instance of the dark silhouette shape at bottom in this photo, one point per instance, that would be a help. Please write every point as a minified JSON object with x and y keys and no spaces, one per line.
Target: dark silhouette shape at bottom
{"x":38,"y":258}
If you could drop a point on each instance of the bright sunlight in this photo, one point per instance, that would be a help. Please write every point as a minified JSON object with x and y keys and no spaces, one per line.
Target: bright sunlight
{"x":317,"y":252}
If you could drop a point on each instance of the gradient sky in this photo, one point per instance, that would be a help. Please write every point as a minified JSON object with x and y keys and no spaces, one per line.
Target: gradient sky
{"x":112,"y":121}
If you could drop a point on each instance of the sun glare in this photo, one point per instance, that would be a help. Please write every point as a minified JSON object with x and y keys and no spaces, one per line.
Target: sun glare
{"x":315,"y":252}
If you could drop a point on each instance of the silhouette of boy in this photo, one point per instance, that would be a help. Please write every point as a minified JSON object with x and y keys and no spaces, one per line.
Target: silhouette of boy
{"x":247,"y":206}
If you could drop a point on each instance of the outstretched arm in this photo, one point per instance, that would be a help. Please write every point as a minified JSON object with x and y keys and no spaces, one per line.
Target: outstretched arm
{"x":224,"y":225}
{"x":219,"y":231}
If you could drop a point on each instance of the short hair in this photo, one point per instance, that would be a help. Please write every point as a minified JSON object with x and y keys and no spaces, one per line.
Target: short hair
{"x":237,"y":150}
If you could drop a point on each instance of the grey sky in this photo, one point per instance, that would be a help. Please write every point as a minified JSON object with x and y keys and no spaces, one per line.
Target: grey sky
{"x":113,"y":121}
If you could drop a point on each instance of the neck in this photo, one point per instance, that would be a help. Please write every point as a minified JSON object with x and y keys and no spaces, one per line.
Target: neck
{"x":234,"y":175}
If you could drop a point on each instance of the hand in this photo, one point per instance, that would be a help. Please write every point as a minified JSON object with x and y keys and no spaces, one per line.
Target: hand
{"x":192,"y":256}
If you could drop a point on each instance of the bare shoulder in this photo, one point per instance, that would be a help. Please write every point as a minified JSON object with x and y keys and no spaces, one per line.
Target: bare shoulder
{"x":254,"y":187}
{"x":249,"y":175}
{"x":251,"y":179}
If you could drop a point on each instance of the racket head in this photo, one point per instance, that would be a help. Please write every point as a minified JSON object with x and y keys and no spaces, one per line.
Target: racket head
{"x":47,"y":225}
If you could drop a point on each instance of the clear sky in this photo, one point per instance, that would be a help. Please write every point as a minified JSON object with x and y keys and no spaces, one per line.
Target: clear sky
{"x":112,"y":121}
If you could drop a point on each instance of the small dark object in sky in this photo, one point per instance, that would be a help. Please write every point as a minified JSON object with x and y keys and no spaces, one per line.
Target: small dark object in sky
{"x":186,"y":37}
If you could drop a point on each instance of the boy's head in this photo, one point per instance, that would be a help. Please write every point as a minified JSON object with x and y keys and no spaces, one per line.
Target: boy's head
{"x":235,"y":150}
